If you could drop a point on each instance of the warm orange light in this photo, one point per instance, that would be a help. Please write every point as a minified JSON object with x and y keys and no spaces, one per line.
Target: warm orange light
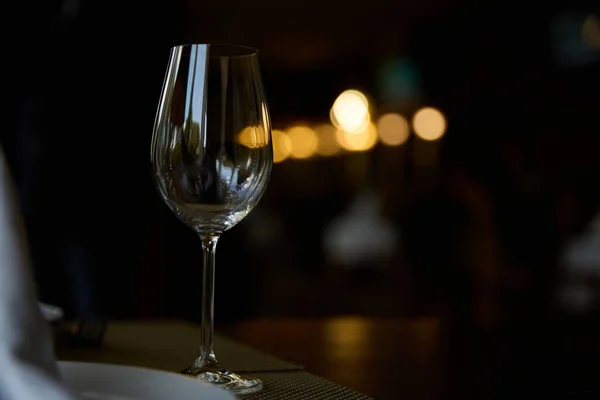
{"x":282,"y":146}
{"x":429,"y":124}
{"x":350,"y":112}
{"x":393,"y":129}
{"x":303,"y":140}
{"x":346,"y":337}
{"x":328,"y":144}
{"x":253,"y":137}
{"x":360,"y":141}
{"x":590,"y":31}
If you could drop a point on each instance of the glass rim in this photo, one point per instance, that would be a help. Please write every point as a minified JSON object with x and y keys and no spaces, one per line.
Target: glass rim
{"x":223,"y":49}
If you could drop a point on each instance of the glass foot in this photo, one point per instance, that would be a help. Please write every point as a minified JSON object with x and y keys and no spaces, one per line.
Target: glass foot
{"x":219,"y":376}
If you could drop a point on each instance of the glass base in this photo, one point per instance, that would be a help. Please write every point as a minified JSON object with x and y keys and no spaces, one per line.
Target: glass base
{"x":214,"y":373}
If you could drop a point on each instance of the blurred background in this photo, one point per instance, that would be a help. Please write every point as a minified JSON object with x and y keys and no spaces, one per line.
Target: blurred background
{"x":433,"y":158}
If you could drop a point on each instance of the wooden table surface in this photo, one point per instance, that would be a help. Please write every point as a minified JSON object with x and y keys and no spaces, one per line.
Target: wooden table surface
{"x":433,"y":357}
{"x":171,"y":345}
{"x":428,"y":357}
{"x":383,"y":358}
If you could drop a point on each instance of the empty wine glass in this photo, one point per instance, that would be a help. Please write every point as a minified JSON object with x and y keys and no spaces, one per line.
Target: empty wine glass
{"x":212,"y":158}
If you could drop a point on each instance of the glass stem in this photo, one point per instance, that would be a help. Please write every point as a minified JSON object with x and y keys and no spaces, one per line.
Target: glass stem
{"x":209,"y":247}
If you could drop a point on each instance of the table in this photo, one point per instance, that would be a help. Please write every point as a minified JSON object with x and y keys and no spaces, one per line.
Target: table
{"x":387,"y":358}
{"x":418,"y":358}
{"x":446,"y":355}
{"x":169,"y":345}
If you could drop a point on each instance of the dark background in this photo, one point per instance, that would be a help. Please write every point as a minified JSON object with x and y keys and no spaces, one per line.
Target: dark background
{"x":481,"y":232}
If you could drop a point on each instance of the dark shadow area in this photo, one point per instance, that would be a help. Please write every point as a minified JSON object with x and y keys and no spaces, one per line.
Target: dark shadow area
{"x":490,"y":230}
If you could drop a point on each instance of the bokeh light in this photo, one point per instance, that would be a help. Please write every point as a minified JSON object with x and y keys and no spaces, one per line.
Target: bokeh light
{"x":328,"y":144}
{"x":429,"y":123}
{"x":303,"y":140}
{"x":590,"y":31}
{"x":346,"y":337}
{"x":393,"y":129}
{"x":252,"y":137}
{"x":360,"y":141}
{"x":350,"y":112}
{"x":282,"y":146}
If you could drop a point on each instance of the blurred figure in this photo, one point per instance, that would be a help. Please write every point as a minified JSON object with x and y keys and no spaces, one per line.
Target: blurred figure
{"x":579,"y":291}
{"x":361,"y":236}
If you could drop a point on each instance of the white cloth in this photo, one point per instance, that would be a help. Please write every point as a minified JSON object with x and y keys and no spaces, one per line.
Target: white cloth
{"x":28,"y":370}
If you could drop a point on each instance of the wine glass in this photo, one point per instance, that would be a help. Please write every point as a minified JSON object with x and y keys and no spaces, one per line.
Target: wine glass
{"x":212,"y":157}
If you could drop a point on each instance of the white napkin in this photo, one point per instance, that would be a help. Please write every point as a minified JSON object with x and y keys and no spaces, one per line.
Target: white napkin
{"x":28,"y":370}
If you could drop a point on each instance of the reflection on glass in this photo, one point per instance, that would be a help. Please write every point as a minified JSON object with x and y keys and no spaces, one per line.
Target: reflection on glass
{"x":212,"y":157}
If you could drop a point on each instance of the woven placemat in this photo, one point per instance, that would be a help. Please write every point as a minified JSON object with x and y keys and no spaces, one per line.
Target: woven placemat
{"x":300,"y":386}
{"x":171,"y":346}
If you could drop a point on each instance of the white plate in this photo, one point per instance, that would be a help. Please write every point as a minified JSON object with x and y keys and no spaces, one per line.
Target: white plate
{"x":117,"y":382}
